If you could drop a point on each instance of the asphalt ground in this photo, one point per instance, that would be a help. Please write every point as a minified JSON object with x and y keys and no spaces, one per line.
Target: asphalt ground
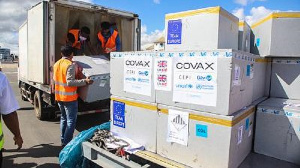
{"x":41,"y":138}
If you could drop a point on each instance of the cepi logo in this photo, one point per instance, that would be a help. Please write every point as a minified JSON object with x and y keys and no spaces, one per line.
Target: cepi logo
{"x":145,"y":73}
{"x":204,"y":78}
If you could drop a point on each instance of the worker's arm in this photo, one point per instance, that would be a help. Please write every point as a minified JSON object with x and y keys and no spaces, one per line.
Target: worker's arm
{"x":99,"y":48}
{"x":8,"y":106}
{"x":91,"y":48}
{"x":71,"y":78}
{"x":118,"y":43}
{"x":12,"y":123}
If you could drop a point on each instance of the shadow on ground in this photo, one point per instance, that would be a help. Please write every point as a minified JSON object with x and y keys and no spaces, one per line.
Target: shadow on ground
{"x":37,"y":151}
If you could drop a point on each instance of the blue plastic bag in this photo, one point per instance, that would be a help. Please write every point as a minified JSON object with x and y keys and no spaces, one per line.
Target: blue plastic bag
{"x":71,"y":155}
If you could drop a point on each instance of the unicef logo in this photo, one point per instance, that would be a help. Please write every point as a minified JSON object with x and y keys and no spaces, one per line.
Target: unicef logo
{"x":208,"y":77}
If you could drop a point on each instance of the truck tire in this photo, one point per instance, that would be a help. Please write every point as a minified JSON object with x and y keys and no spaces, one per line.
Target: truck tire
{"x":39,"y":106}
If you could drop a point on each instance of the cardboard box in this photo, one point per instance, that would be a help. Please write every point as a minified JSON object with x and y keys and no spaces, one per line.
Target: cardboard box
{"x":215,"y":81}
{"x":244,"y":36}
{"x":277,"y":35}
{"x":285,"y":78}
{"x":201,"y":29}
{"x":131,"y":75}
{"x":214,"y":141}
{"x":97,"y":68}
{"x":277,"y":132}
{"x":135,"y":120}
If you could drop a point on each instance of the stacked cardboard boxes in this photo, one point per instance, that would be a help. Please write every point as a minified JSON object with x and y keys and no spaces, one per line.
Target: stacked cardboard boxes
{"x":196,"y":97}
{"x":277,"y":37}
{"x":133,"y":106}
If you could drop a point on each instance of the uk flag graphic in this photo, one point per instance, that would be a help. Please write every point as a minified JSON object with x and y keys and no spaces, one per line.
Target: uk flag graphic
{"x":162,"y":64}
{"x":162,"y":78}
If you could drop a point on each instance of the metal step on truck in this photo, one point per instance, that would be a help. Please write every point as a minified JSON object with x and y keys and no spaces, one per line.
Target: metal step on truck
{"x":43,"y":34}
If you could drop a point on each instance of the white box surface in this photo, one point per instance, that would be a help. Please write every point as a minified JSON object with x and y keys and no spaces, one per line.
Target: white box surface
{"x":97,"y":68}
{"x":135,"y":120}
{"x":277,"y":35}
{"x":132,"y":74}
{"x":214,"y":141}
{"x":215,"y":81}
{"x":244,"y":36}
{"x":277,"y":132}
{"x":202,"y":29}
{"x":285,"y":78}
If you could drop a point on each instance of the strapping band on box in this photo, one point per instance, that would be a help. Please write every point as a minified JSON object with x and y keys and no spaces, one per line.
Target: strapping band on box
{"x":263,"y":60}
{"x":136,"y":104}
{"x":277,"y":15}
{"x":217,"y":121}
{"x":212,"y":120}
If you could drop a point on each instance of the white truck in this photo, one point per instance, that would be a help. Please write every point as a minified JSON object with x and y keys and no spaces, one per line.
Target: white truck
{"x":44,"y":32}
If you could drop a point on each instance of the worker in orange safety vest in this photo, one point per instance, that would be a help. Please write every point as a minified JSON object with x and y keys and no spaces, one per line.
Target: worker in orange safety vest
{"x":108,"y":39}
{"x":78,"y":39}
{"x":64,"y":76}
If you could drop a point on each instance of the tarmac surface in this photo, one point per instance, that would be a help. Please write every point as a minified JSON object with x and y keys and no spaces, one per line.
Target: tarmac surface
{"x":42,"y":138}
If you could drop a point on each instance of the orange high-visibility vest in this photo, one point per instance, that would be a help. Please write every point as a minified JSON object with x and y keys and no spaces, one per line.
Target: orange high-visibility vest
{"x":62,"y":91}
{"x":77,"y":43}
{"x":109,"y":45}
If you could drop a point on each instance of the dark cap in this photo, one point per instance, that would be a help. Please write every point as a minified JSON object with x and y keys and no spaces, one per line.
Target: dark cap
{"x":67,"y":50}
{"x":105,"y":25}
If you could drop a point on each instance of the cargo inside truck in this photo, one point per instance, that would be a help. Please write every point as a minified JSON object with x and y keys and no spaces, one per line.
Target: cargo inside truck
{"x":45,"y":31}
{"x":70,"y":17}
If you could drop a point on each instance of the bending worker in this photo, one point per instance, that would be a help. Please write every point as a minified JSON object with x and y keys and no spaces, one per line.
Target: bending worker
{"x":108,"y":39}
{"x":66,"y":84}
{"x":79,"y":39}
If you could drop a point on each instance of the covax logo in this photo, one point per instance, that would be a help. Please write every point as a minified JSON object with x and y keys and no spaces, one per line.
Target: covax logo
{"x":137,"y":63}
{"x":195,"y":65}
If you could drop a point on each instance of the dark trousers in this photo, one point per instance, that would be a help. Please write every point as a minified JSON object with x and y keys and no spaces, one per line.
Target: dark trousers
{"x":1,"y":158}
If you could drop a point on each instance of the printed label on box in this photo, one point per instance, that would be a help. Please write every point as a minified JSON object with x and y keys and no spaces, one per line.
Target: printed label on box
{"x":119,"y":114}
{"x":163,"y":73}
{"x":240,"y":134}
{"x":178,"y":127}
{"x":201,"y":130}
{"x":138,"y":74}
{"x":174,"y":32}
{"x":250,"y":71}
{"x":258,"y":42}
{"x":250,"y":132}
{"x":247,"y":123}
{"x":102,"y":83}
{"x":237,"y":73}
{"x":195,"y":80}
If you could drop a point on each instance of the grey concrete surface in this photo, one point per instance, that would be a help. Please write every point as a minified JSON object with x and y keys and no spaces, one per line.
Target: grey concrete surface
{"x":42,"y":142}
{"x":41,"y":138}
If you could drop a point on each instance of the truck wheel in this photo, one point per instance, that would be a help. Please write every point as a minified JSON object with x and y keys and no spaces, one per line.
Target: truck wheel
{"x":38,"y":106}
